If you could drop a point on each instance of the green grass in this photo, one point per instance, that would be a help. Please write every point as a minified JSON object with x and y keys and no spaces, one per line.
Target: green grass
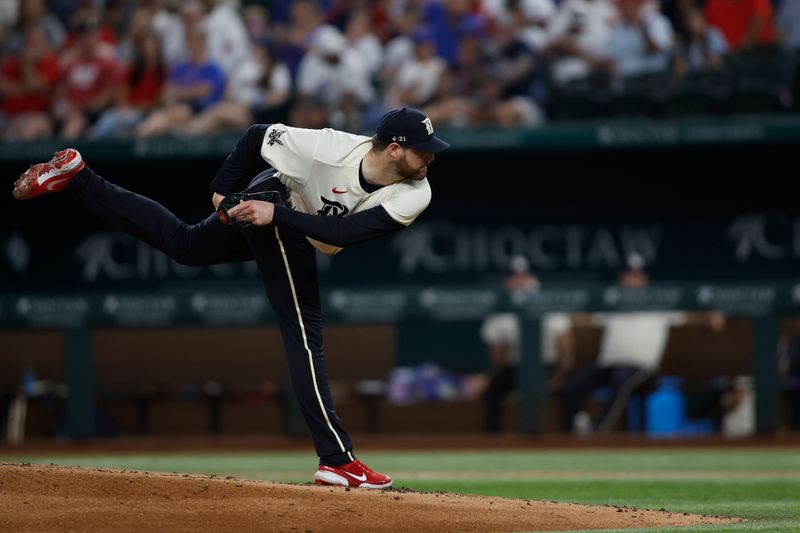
{"x":762,"y":485}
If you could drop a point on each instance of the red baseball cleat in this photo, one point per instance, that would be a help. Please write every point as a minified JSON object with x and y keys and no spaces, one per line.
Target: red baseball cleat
{"x":48,"y":177}
{"x":354,"y":474}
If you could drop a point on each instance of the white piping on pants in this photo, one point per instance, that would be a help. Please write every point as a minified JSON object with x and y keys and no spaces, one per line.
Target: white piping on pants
{"x":305,"y":342}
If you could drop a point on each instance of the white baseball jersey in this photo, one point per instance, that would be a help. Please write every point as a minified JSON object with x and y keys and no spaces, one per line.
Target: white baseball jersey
{"x":321,"y":170}
{"x":636,"y":338}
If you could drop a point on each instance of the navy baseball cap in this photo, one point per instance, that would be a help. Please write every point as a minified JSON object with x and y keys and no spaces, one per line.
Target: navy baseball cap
{"x":411,"y":128}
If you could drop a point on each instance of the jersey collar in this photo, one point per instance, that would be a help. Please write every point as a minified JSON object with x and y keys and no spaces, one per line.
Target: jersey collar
{"x":368,"y":187}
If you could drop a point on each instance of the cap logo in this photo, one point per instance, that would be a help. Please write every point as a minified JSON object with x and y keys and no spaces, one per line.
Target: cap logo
{"x":428,"y":125}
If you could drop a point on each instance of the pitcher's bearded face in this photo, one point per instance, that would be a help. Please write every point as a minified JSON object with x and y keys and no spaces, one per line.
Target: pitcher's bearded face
{"x":414,"y":164}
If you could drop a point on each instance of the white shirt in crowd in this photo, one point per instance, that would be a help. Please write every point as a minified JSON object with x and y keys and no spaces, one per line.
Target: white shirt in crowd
{"x":172,"y":34}
{"x":628,"y":48}
{"x":420,"y":76}
{"x":537,"y":13}
{"x":244,"y":85}
{"x":504,"y":328}
{"x":636,"y":339}
{"x":328,"y":81}
{"x":228,"y":42}
{"x":9,"y":13}
{"x":589,"y":23}
{"x":368,"y":50}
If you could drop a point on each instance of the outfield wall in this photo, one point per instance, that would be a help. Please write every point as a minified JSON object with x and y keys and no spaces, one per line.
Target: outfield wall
{"x":698,"y":201}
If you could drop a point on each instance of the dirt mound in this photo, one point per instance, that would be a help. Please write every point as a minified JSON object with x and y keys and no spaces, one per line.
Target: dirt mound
{"x":50,"y":498}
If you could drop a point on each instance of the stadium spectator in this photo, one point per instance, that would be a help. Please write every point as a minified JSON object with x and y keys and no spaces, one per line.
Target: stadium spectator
{"x":405,"y":18}
{"x":418,"y":75}
{"x":530,"y":16}
{"x":256,"y":20}
{"x":362,"y":42}
{"x":458,"y":98}
{"x":743,"y":22}
{"x":704,"y":47}
{"x":448,"y":21}
{"x":577,"y":35}
{"x":332,"y":84}
{"x":192,"y":87}
{"x":631,"y":350}
{"x":193,"y":15}
{"x":675,"y":11}
{"x":226,"y":38}
{"x":33,"y":13}
{"x":115,"y":18}
{"x":517,"y":46}
{"x":501,"y":334}
{"x":27,"y":81}
{"x":89,"y":82}
{"x":380,"y":21}
{"x":508,"y":88}
{"x":339,"y":12}
{"x":738,"y":405}
{"x":787,"y":21}
{"x":107,"y":34}
{"x":263,"y":95}
{"x":9,"y":12}
{"x":490,"y":83}
{"x":164,"y":19}
{"x":144,"y":83}
{"x":641,"y":43}
{"x":294,"y":38}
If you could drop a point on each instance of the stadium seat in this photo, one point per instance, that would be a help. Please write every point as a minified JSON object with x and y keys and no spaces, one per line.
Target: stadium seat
{"x":640,"y":97}
{"x":581,"y":99}
{"x":760,"y":80}
{"x":698,"y":93}
{"x":579,"y":106}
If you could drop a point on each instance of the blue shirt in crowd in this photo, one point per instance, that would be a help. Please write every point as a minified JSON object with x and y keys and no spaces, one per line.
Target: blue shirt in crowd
{"x":187,"y":74}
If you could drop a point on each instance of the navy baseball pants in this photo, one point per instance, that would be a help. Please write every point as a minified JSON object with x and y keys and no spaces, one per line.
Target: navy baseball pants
{"x":287,"y":263}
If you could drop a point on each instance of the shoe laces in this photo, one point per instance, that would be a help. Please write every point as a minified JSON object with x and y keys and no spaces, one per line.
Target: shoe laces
{"x":364,"y":468}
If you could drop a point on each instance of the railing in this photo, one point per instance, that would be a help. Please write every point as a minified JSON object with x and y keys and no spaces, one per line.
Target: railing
{"x":594,"y":134}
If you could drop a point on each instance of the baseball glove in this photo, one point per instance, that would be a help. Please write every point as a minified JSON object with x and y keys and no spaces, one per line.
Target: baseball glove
{"x":265,"y":187}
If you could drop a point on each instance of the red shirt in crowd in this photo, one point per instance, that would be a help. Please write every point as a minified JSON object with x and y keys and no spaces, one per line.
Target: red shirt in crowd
{"x":47,"y":68}
{"x":733,"y":18}
{"x":85,"y":79}
{"x":146,"y":91}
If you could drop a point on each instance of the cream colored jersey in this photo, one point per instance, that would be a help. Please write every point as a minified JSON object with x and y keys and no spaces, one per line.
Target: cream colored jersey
{"x":321,"y":170}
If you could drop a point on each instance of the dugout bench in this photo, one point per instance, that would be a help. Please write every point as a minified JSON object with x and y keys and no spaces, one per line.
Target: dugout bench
{"x":78,"y":321}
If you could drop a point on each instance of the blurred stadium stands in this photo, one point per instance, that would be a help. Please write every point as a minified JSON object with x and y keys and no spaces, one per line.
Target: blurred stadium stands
{"x":124,"y":69}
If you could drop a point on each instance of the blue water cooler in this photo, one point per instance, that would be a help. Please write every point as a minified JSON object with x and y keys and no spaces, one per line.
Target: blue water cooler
{"x":665,"y":409}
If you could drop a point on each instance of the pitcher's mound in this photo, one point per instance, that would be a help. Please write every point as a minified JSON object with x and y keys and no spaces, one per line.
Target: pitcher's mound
{"x":50,"y":498}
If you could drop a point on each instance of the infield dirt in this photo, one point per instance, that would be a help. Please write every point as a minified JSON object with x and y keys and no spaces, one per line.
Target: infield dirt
{"x":52,"y":498}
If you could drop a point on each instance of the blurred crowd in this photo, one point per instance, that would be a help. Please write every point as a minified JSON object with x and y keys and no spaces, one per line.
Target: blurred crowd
{"x":124,"y":68}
